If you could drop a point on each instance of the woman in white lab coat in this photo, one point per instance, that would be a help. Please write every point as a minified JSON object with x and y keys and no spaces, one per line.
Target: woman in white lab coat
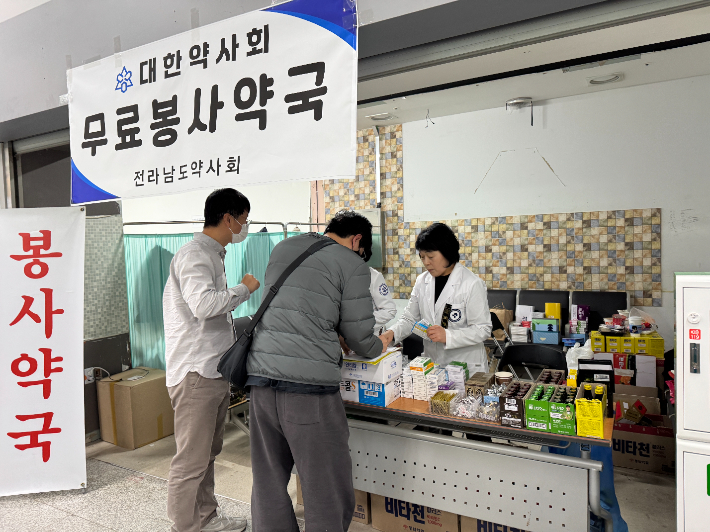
{"x":382,"y":303}
{"x":447,"y":289}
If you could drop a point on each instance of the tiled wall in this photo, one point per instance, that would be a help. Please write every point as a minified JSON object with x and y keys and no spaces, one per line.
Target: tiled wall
{"x":105,"y":296}
{"x":600,"y":250}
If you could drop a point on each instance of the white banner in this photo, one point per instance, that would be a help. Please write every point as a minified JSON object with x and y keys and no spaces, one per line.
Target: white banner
{"x":42,"y":350}
{"x":263,"y":97}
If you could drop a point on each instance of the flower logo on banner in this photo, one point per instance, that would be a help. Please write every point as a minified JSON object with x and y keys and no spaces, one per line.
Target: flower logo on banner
{"x":123,"y":80}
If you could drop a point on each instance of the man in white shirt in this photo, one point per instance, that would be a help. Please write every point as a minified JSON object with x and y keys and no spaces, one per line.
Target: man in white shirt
{"x":382,"y":303}
{"x":197,"y":312}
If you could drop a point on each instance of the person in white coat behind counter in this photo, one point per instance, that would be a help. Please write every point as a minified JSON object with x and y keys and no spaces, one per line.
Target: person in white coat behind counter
{"x":382,"y":303}
{"x":452,"y":299}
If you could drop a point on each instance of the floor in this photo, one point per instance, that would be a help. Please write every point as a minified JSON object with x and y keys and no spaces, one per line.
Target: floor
{"x":127,"y":492}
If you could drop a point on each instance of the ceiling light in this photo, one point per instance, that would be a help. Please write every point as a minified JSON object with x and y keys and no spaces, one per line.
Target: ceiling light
{"x":603,"y":80}
{"x":381,"y":117}
{"x":519,"y":103}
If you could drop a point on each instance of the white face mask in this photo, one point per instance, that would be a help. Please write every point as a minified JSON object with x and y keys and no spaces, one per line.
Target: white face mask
{"x":241,"y":236}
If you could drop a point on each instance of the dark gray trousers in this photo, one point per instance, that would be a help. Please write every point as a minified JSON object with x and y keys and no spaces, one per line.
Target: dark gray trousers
{"x":312,"y":432}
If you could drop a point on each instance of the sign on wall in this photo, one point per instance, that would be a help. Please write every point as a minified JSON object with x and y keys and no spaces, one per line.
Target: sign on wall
{"x":42,"y":350}
{"x":263,"y":97}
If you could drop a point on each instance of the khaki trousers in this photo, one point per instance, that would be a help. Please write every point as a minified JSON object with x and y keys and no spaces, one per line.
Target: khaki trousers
{"x":200,"y":406}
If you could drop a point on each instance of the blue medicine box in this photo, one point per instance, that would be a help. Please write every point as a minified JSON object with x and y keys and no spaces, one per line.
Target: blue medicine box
{"x":375,"y":393}
{"x":540,"y":337}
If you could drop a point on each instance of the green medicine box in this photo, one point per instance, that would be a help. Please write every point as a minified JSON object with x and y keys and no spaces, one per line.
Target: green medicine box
{"x":537,"y":413}
{"x":545,"y":325}
{"x":562,"y":417}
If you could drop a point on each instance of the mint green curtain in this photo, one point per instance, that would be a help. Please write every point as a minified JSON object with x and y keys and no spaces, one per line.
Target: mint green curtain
{"x":147,"y":268}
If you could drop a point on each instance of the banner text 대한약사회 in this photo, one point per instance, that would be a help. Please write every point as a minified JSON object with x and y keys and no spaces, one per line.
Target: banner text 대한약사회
{"x":259,"y":98}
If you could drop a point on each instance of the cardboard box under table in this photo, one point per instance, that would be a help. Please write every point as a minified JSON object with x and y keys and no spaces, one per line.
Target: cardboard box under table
{"x":134,"y":408}
{"x":362,"y":503}
{"x":392,"y":515}
{"x":646,"y":448}
{"x":470,"y":524}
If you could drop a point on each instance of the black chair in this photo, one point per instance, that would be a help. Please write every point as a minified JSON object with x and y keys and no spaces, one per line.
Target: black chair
{"x":523,"y":357}
{"x":538,"y":298}
{"x":601,"y":305}
{"x":498,"y":326}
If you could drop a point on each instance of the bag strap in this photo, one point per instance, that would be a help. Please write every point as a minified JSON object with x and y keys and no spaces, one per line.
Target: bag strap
{"x":280,"y":281}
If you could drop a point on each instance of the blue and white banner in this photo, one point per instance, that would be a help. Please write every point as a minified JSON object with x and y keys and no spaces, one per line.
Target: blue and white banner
{"x":263,"y":97}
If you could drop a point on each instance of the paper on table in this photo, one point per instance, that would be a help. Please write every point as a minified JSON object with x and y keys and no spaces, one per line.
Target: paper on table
{"x":376,"y":360}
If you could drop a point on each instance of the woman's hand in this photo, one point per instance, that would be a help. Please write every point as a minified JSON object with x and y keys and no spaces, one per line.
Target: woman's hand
{"x":386,"y":338}
{"x":436,"y":333}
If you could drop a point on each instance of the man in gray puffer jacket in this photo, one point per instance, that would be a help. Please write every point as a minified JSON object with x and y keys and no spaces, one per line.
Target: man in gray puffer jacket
{"x":296,"y":413}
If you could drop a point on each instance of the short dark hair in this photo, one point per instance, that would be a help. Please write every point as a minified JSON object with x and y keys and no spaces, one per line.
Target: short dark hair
{"x":224,"y":201}
{"x":439,"y":237}
{"x":349,"y":223}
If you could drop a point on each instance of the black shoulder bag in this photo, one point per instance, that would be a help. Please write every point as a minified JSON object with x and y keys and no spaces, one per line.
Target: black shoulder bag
{"x":233,"y":364}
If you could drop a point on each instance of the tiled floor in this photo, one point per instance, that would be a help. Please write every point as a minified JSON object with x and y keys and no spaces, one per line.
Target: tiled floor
{"x":120,"y":499}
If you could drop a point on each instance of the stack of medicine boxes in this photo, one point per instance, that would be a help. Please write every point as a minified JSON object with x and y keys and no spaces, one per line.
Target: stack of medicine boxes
{"x":374,"y":382}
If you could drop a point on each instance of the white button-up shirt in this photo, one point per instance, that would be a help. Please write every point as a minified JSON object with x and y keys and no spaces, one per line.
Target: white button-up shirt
{"x":197,"y":308}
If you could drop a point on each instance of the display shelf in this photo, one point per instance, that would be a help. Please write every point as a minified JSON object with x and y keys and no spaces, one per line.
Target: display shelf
{"x":417,"y":412}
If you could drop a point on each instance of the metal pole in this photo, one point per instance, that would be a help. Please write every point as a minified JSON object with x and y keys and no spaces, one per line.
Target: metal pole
{"x":595,"y":500}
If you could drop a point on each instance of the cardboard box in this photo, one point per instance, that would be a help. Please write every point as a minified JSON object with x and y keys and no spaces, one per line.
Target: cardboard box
{"x":362,"y":503}
{"x":590,"y":413}
{"x":598,"y":342}
{"x":469,"y":524}
{"x":134,"y":413}
{"x":392,"y":515}
{"x":645,"y":448}
{"x":645,"y":366}
{"x":382,"y":369}
{"x":621,"y":360}
{"x":626,"y":396}
{"x":601,"y":372}
{"x":370,"y":393}
{"x":652,"y":344}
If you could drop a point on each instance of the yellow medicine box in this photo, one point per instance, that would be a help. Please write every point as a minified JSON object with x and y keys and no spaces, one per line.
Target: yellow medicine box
{"x":628,"y":345}
{"x":649,"y":344}
{"x":614,"y":344}
{"x":598,"y":342}
{"x":590,"y":413}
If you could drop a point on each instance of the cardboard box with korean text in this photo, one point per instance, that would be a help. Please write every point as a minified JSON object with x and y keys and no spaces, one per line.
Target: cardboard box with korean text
{"x":134,"y":408}
{"x":392,"y":515}
{"x":626,"y":396}
{"x":469,"y":524}
{"x":362,"y":503}
{"x":646,"y":448}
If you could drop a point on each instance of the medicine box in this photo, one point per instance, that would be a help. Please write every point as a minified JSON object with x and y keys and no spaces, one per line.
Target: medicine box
{"x":614,"y":344}
{"x":382,"y":369}
{"x":562,"y":416}
{"x":649,"y":345}
{"x":546,"y":324}
{"x":590,"y":414}
{"x":552,"y":338}
{"x":370,"y":393}
{"x":598,"y":342}
{"x":537,"y":413}
{"x":512,"y":411}
{"x":628,"y":345}
{"x":421,"y":365}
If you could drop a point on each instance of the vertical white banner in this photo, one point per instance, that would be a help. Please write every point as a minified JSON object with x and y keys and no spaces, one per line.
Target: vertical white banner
{"x":42,"y":350}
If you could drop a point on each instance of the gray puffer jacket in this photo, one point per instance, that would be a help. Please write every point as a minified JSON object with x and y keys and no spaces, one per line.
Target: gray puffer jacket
{"x":329,"y":293}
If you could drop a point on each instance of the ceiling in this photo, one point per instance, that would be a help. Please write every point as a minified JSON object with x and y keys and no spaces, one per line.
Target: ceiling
{"x":654,"y":67}
{"x":590,"y":43}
